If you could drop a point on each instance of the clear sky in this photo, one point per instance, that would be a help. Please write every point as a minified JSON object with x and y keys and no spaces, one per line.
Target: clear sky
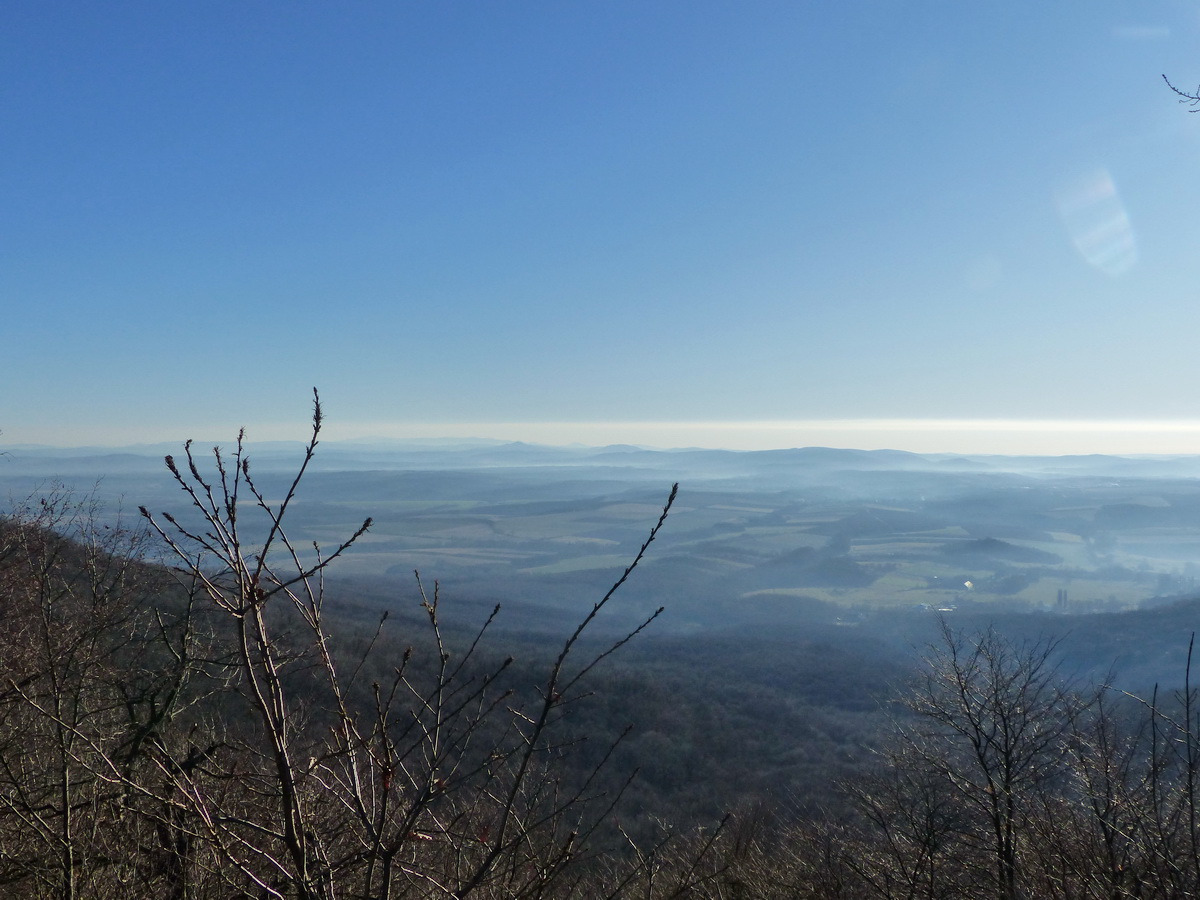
{"x":776,"y":223}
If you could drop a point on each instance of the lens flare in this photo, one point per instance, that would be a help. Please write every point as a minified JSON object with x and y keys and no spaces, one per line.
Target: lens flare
{"x":1096,"y":221}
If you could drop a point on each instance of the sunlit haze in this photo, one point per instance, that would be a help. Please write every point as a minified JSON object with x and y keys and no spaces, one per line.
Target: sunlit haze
{"x":1008,"y":437}
{"x":920,"y":436}
{"x":935,"y":227}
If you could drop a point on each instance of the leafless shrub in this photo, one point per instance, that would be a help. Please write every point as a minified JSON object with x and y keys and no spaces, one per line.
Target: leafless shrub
{"x":437,"y":786}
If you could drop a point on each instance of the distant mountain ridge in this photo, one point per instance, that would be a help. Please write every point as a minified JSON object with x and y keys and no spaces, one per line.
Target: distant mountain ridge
{"x":453,"y":453}
{"x":756,"y":536}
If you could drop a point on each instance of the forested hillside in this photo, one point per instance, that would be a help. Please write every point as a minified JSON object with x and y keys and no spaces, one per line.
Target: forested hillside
{"x":188,"y":710}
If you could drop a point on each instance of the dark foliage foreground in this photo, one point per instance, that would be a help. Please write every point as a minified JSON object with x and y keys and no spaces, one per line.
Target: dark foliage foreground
{"x":193,"y":732}
{"x":199,"y":732}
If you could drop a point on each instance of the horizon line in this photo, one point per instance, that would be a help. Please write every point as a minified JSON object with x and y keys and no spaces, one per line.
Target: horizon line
{"x":999,"y":436}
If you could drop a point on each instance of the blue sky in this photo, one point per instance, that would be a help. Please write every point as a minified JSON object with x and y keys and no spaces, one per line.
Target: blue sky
{"x":770,"y":223}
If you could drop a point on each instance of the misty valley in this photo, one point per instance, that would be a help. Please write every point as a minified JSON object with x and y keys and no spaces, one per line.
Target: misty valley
{"x":771,"y":537}
{"x":802,"y":590}
{"x":840,"y":545}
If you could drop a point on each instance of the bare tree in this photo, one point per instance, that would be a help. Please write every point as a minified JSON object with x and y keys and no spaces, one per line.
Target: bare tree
{"x":80,"y":679}
{"x":1189,"y":98}
{"x":919,"y":840}
{"x":993,"y":721}
{"x":436,"y":785}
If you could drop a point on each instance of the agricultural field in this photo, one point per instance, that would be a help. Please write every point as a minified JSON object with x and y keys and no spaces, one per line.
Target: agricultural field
{"x":753,"y":536}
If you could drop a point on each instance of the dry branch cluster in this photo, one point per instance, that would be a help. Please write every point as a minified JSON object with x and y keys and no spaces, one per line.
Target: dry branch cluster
{"x":1002,"y":780}
{"x":202,"y":736}
{"x":200,"y":732}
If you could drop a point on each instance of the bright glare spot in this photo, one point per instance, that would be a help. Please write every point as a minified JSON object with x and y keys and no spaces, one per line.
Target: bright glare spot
{"x":1096,"y":222}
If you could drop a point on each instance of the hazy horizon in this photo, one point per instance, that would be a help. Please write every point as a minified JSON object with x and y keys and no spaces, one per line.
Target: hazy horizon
{"x":979,"y":437}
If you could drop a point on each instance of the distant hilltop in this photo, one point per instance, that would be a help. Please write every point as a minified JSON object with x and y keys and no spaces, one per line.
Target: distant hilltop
{"x":430,"y":453}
